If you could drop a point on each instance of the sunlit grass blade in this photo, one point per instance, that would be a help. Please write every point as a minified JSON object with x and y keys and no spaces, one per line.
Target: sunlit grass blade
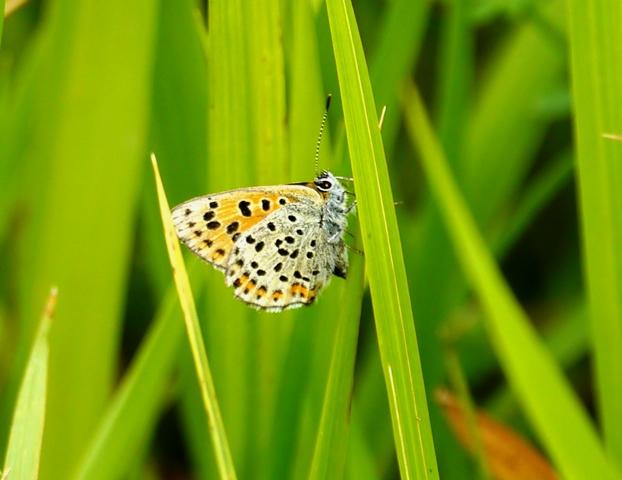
{"x":548,"y":401}
{"x":204,"y":376}
{"x":333,"y":432}
{"x":85,"y":134}
{"x":595,"y":36}
{"x":385,"y":266}
{"x":24,"y":447}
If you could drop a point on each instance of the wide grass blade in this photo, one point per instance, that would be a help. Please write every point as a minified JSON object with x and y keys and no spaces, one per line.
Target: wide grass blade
{"x":24,"y":447}
{"x":133,"y":411}
{"x":546,"y":397}
{"x":206,"y":384}
{"x":385,"y":265}
{"x":87,"y":110}
{"x":595,"y":39}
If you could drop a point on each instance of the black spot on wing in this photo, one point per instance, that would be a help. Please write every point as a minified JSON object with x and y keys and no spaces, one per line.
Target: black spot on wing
{"x":244,"y":210}
{"x":233,"y":227}
{"x":213,"y":225}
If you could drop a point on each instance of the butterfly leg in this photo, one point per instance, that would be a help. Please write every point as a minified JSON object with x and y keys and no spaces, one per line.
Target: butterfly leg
{"x":351,"y":207}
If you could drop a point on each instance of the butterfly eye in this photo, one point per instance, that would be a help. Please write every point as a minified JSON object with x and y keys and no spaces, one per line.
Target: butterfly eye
{"x":324,"y":185}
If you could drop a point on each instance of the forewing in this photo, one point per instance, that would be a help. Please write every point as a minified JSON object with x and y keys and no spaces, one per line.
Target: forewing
{"x":210,"y":225}
{"x":284,"y":261}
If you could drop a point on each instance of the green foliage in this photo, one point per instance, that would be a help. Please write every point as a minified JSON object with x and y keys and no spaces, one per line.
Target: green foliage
{"x":24,"y":447}
{"x":595,"y":67}
{"x":229,"y":93}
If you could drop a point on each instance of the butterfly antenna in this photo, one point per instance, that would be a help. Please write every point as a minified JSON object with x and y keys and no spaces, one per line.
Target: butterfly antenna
{"x":319,"y":137}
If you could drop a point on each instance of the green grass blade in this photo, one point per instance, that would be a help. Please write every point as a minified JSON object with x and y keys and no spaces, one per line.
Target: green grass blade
{"x":400,"y":39}
{"x":595,"y":35}
{"x":24,"y":447}
{"x":547,"y":399}
{"x":525,"y":68}
{"x":229,"y":138}
{"x":535,"y":197}
{"x":332,"y":439}
{"x":385,"y":266}
{"x":204,"y":376}
{"x":85,"y":154}
{"x":132,"y":414}
{"x":456,"y":77}
{"x":360,"y":460}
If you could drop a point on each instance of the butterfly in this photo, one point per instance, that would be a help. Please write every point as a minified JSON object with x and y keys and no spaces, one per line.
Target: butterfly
{"x":278,"y":246}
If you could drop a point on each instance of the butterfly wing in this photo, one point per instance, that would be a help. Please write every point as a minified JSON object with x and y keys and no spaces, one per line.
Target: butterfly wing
{"x":210,"y":225}
{"x":285,"y":260}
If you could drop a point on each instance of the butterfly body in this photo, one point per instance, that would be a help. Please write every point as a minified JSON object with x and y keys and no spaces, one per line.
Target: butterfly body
{"x":277,"y":246}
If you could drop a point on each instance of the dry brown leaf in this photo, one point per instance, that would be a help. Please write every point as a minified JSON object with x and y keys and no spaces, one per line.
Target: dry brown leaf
{"x":508,"y":456}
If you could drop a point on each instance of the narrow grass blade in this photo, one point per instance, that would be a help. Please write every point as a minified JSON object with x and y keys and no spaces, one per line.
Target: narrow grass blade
{"x":24,"y":448}
{"x":385,"y":266}
{"x":595,"y":36}
{"x":332,"y":439}
{"x":204,"y":376}
{"x":456,"y":77}
{"x":546,"y":397}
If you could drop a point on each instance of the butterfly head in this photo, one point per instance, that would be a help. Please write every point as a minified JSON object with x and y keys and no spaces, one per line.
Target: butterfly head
{"x":329,"y":187}
{"x":335,"y":207}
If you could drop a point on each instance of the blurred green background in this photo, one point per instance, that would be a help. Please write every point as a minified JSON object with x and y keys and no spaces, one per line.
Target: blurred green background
{"x":230,"y":94}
